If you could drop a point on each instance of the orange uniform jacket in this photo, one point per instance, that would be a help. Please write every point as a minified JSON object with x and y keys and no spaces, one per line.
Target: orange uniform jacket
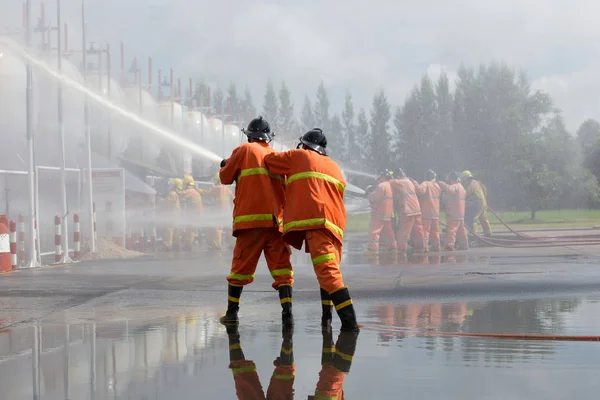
{"x":429,"y":196}
{"x":405,"y":197}
{"x":248,"y":387}
{"x":314,"y":194}
{"x":454,"y":201}
{"x":259,"y":195}
{"x":382,"y":201}
{"x":193,"y":199}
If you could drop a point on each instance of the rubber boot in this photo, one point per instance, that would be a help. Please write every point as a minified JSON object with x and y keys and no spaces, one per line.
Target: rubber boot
{"x":286,"y":354}
{"x":343,"y":305}
{"x":345,"y":347}
{"x":233,"y":305}
{"x":285,"y":298}
{"x":326,"y":304}
{"x":328,"y":349}
{"x":235,"y":347}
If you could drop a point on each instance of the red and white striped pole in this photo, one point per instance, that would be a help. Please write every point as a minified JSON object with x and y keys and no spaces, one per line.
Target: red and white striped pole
{"x":21,"y":240}
{"x":37,"y":247}
{"x":57,"y":240}
{"x":153,"y":238}
{"x":94,"y":220}
{"x":142,"y":243}
{"x":76,"y":237}
{"x":13,"y":243}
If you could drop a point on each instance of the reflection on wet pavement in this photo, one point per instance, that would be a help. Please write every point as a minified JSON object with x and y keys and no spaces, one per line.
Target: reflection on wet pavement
{"x":191,"y":356}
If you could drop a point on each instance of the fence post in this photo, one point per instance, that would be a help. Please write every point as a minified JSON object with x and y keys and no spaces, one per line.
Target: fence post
{"x":13,"y":244}
{"x":57,"y":240}
{"x":21,"y":240}
{"x":76,"y":237}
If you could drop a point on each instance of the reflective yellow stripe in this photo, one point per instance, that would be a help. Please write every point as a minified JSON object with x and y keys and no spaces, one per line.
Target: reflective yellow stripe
{"x":235,"y":346}
{"x":318,"y":175}
{"x":327,"y":302}
{"x":240,"y":277}
{"x":328,"y":349}
{"x":287,"y":351}
{"x":234,"y":299}
{"x":252,"y":218}
{"x":319,"y":397}
{"x":345,"y":357}
{"x":313,"y":222}
{"x":285,"y":300}
{"x":242,"y":370}
{"x":284,"y":377}
{"x":323,"y":257}
{"x":337,"y":290}
{"x":258,"y":171}
{"x":282,"y":272}
{"x":343,"y":305}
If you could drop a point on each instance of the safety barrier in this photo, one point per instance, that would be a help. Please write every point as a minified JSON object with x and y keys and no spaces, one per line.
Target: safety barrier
{"x":21,"y":240}
{"x":13,"y":244}
{"x":5,"y":264}
{"x":76,"y":237}
{"x":57,"y":240}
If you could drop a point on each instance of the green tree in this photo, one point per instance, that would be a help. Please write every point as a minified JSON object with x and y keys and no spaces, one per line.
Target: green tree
{"x":218,"y":101}
{"x":286,"y":112}
{"x":322,"y":109}
{"x":379,"y":149}
{"x":337,"y":131}
{"x":233,"y":103}
{"x":588,"y":134}
{"x":247,"y":105}
{"x":444,"y":147}
{"x":270,"y":105}
{"x":307,"y":117}
{"x":363,"y":138}
{"x":352,"y":148}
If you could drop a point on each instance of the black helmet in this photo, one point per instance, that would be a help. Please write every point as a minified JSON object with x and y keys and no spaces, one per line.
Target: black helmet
{"x":453,"y":176}
{"x":385,"y":173}
{"x":399,"y":172}
{"x":259,"y":129}
{"x":431,"y":175}
{"x":316,"y":140}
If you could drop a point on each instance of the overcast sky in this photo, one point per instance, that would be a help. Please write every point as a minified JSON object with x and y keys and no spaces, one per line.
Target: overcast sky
{"x":353,"y":45}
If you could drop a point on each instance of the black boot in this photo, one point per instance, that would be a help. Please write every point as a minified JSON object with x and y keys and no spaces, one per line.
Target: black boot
{"x":285,"y":298}
{"x":233,"y":305}
{"x":286,"y":355}
{"x":344,"y":350}
{"x":326,"y":305}
{"x":328,"y":349}
{"x":343,"y":305}
{"x":235,"y":347}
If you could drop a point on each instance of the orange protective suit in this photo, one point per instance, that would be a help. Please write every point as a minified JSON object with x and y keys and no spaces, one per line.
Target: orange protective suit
{"x":408,"y":210}
{"x":192,"y":200}
{"x":455,"y":216}
{"x":336,"y":362}
{"x":382,"y":211}
{"x":429,"y":193}
{"x":257,"y":212}
{"x":247,"y":383}
{"x":314,"y":212}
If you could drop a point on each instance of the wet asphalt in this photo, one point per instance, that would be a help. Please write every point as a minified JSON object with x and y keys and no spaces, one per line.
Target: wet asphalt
{"x":147,"y":328}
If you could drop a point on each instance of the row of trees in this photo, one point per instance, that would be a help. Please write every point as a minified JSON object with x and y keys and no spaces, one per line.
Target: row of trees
{"x":489,"y":121}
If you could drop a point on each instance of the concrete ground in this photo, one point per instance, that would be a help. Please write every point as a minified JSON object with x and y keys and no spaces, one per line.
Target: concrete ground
{"x":147,"y":328}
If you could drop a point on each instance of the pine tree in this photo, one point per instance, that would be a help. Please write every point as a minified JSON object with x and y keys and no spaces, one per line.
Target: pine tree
{"x":444,"y":149}
{"x":286,"y":112}
{"x":337,"y":133}
{"x":233,"y":103}
{"x":307,"y":118}
{"x":218,"y":100}
{"x":248,"y":109}
{"x":362,"y":132}
{"x":352,"y":149}
{"x":379,"y":149}
{"x":270,"y":106}
{"x":322,"y":108}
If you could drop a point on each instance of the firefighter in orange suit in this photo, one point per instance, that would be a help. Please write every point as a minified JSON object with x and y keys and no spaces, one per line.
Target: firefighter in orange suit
{"x":247,"y":382}
{"x":336,"y":362}
{"x":382,"y":210}
{"x":170,"y":210}
{"x":429,"y":193}
{"x":192,"y":200}
{"x":220,"y":202}
{"x":408,"y":211}
{"x":315,"y":215}
{"x":454,"y":206}
{"x":257,"y":215}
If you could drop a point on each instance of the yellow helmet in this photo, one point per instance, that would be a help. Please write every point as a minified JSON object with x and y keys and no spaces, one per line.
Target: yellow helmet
{"x":188,"y":180}
{"x":177,"y":183}
{"x":466,"y":174}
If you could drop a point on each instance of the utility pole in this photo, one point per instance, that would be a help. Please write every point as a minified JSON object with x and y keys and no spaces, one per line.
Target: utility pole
{"x":88,"y":138}
{"x":61,"y":129}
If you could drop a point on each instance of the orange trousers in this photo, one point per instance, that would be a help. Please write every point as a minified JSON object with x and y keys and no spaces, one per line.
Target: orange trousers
{"x":330,"y":383}
{"x":249,"y":246}
{"x":248,"y":387}
{"x":431,"y":233}
{"x":405,"y":227}
{"x":326,"y":254}
{"x":381,"y":228}
{"x":456,"y":234}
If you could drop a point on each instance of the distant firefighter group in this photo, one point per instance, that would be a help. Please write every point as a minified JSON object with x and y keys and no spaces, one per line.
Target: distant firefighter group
{"x":404,"y":211}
